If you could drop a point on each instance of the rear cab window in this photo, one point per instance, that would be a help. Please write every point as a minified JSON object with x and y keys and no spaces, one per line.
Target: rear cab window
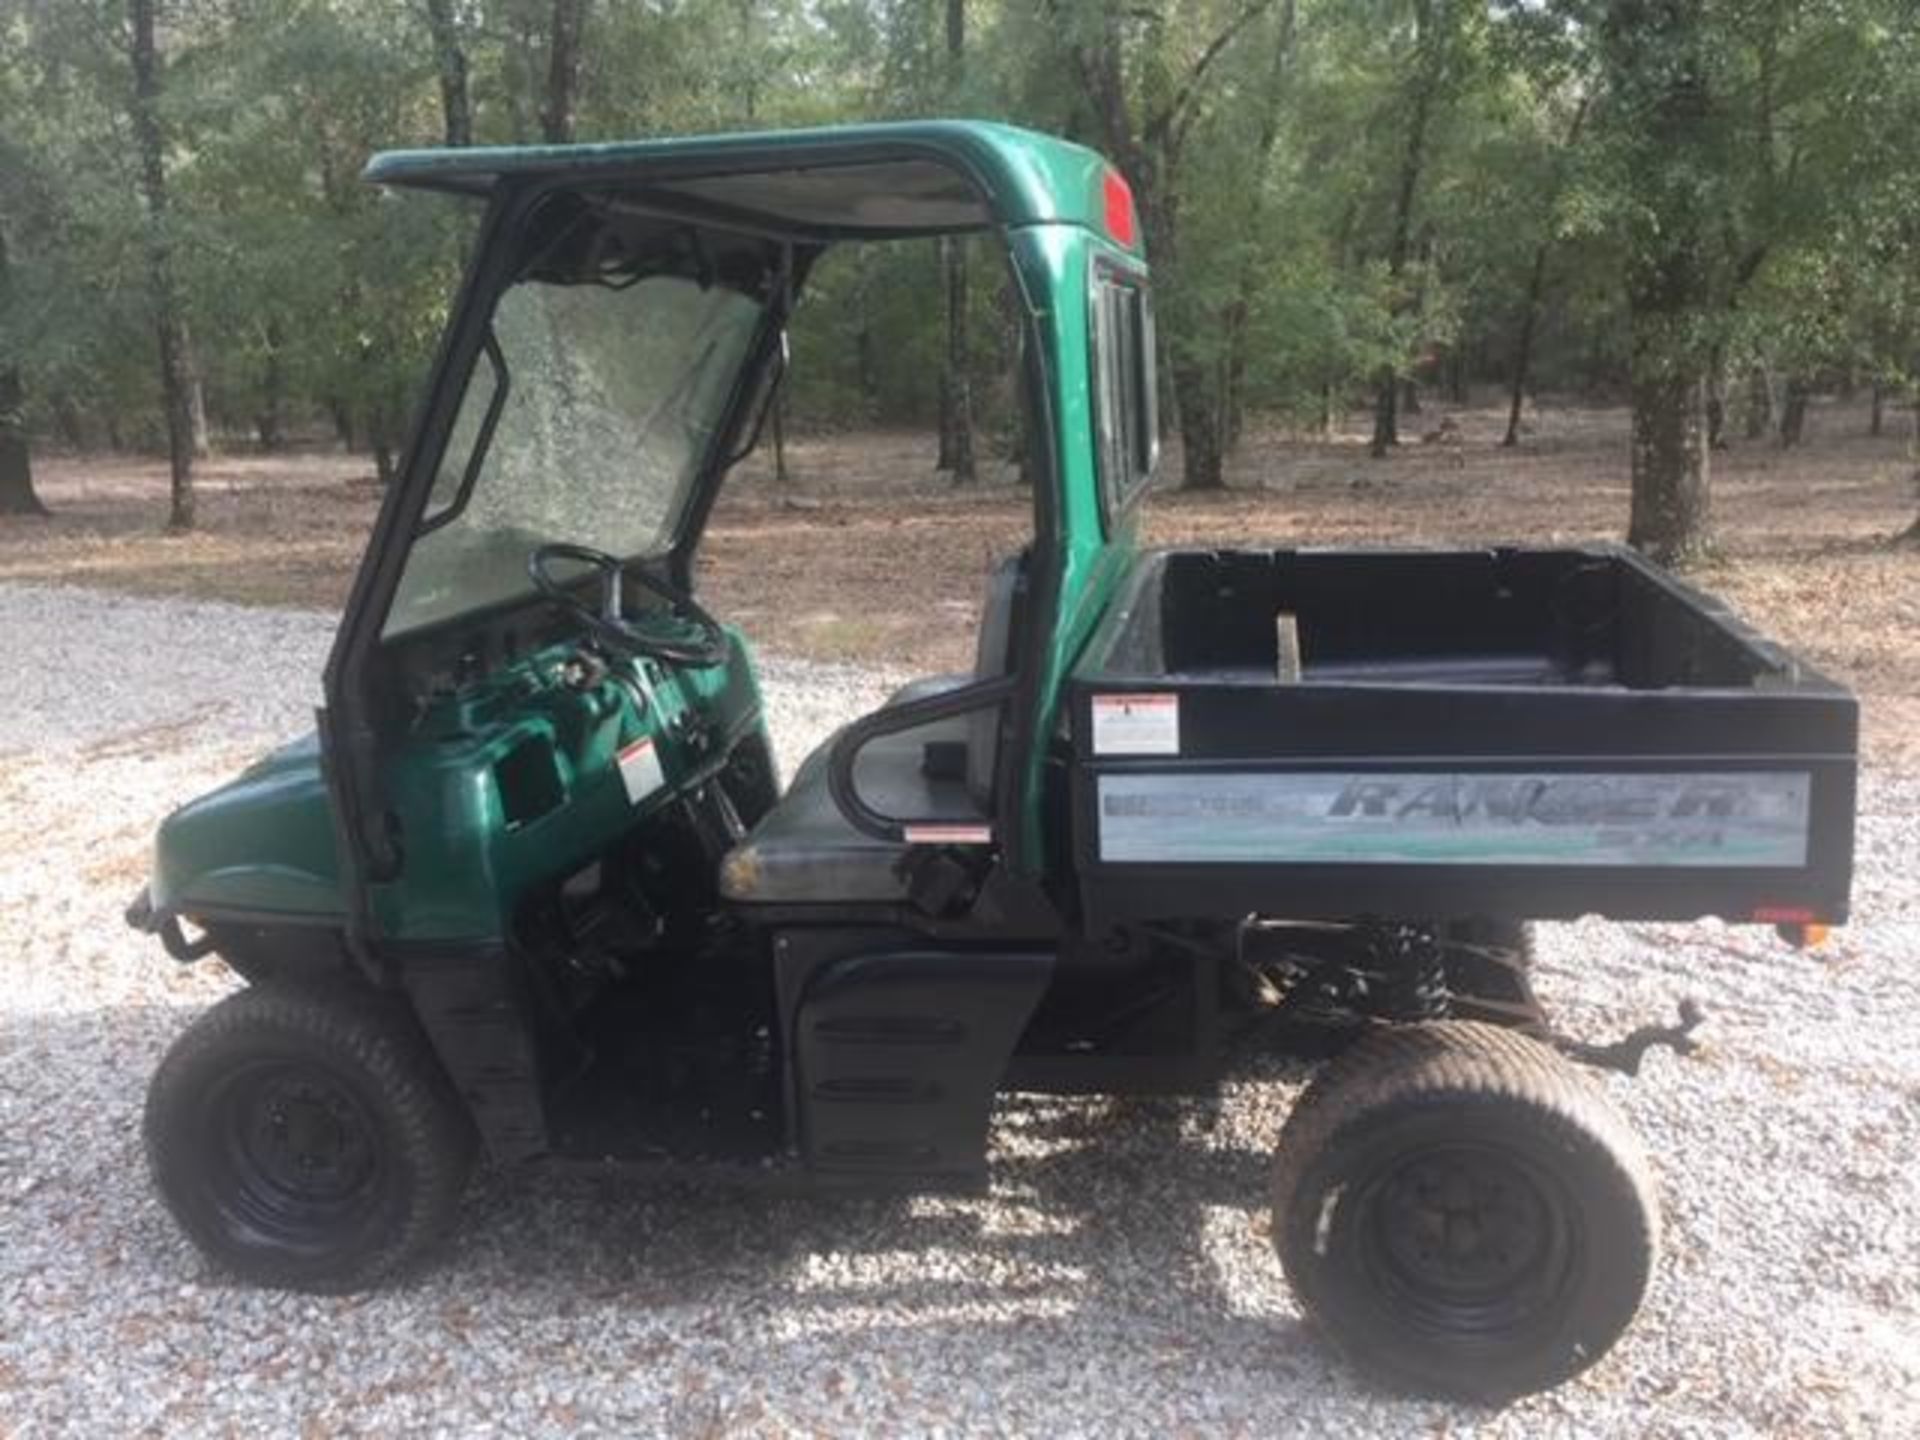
{"x":1126,"y":409}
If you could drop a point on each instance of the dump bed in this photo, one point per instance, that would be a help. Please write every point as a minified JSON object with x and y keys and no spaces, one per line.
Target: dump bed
{"x":1541,"y":733}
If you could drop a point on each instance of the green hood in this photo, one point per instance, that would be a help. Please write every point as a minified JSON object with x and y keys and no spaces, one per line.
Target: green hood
{"x":261,"y":843}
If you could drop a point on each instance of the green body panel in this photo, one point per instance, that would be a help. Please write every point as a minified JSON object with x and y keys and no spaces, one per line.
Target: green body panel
{"x":1056,"y":265}
{"x":261,"y":842}
{"x":469,"y":860}
{"x":1028,"y":178}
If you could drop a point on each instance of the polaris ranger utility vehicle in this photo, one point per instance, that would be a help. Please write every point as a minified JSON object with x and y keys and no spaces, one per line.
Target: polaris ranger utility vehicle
{"x":535,"y":891}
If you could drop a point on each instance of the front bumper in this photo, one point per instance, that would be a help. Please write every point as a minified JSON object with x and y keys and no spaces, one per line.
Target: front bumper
{"x":142,"y":916}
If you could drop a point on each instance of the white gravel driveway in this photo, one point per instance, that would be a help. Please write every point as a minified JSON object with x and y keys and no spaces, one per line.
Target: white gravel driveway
{"x":1117,"y":1280}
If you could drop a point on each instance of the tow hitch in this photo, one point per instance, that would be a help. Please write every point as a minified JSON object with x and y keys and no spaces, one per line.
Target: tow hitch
{"x":1626,"y":1053}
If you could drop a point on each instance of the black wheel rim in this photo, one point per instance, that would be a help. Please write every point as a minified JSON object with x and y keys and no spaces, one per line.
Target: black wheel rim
{"x":1468,"y":1243}
{"x":293,"y":1157}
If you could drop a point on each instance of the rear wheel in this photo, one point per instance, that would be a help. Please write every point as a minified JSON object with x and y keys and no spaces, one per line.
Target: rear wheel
{"x":307,"y":1138}
{"x":1461,"y":1210}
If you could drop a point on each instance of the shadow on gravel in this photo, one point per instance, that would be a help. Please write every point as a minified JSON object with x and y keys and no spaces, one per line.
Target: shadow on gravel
{"x":1122,"y":1244}
{"x":1100,"y":1212}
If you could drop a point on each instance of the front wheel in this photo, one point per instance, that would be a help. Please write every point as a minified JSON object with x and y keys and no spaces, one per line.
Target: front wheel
{"x":307,"y":1139}
{"x":1461,"y":1210}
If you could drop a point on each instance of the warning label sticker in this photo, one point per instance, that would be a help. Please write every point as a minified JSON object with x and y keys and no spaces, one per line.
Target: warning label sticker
{"x":1136,"y":724}
{"x":640,"y":769}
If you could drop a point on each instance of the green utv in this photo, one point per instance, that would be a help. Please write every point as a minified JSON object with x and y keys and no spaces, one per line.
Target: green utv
{"x":535,"y":891}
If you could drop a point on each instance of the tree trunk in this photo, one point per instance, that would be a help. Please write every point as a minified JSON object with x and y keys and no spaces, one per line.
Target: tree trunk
{"x":523,"y":46}
{"x":956,"y":386}
{"x":1386,"y":414}
{"x":450,"y":60}
{"x":563,"y":72}
{"x":270,"y":422}
{"x":1671,"y":521}
{"x":1239,"y":312}
{"x":781,"y":478}
{"x":1428,"y":47}
{"x":1536,"y":288}
{"x":17,"y":495}
{"x":866,"y":368}
{"x":381,"y":431}
{"x":197,"y":403}
{"x":1523,"y":343}
{"x":1717,"y":400}
{"x":1657,"y":59}
{"x":1877,"y":416}
{"x":1911,"y":535}
{"x":164,"y":297}
{"x":68,"y":420}
{"x":956,"y":381}
{"x":1759,"y":402}
{"x":1203,"y":456}
{"x":1793,"y":415}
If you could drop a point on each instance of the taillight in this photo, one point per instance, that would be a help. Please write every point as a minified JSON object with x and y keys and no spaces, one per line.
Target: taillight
{"x":1120,"y":221}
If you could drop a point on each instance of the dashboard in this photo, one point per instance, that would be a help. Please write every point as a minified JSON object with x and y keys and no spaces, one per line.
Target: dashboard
{"x":523,"y":757}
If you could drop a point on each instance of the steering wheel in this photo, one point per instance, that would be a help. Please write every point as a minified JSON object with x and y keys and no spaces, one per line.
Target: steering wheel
{"x":700,"y":641}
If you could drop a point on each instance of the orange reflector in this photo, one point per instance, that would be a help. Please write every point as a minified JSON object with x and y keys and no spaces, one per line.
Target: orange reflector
{"x":1119,"y":196}
{"x":1782,"y":915}
{"x":1810,"y":936}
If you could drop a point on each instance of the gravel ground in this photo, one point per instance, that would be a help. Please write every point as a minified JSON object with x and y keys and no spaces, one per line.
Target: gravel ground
{"x":1116,"y":1280}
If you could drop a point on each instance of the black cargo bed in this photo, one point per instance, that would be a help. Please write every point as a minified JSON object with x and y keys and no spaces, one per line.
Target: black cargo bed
{"x":1507,"y":732}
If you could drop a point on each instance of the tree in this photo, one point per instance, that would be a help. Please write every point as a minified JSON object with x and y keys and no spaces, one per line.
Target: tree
{"x":1434,"y":26}
{"x":1657,"y":58}
{"x":1144,"y":75}
{"x":176,"y":378}
{"x":1239,"y":310}
{"x":1553,"y":194}
{"x":1522,"y":364}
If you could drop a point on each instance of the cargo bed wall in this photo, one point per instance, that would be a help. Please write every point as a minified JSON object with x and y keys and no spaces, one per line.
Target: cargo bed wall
{"x":1527,"y":733}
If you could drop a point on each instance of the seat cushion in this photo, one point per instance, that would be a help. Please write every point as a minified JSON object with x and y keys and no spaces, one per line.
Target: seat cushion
{"x":804,"y":851}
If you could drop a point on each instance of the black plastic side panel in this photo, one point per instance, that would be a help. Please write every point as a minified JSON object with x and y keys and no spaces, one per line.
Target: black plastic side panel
{"x":898,"y":1053}
{"x":469,"y":1002}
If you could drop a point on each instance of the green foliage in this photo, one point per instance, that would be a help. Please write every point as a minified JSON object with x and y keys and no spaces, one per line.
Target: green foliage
{"x":1757,"y":154}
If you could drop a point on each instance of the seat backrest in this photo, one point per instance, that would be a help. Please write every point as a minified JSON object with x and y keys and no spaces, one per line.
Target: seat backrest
{"x":993,"y":657}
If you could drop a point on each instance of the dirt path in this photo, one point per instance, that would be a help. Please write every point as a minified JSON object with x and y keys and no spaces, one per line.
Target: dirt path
{"x":872,"y":558}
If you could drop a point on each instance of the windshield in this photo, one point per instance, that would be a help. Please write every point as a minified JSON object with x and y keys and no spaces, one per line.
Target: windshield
{"x":584,"y":421}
